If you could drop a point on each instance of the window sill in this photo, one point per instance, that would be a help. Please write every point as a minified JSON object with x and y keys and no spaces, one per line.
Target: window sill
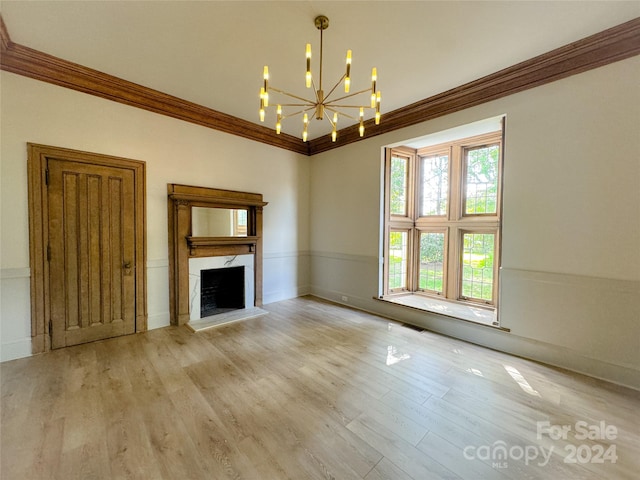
{"x":469,"y":313}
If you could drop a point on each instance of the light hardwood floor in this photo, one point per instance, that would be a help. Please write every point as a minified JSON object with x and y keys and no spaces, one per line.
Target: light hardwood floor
{"x":310,"y":391}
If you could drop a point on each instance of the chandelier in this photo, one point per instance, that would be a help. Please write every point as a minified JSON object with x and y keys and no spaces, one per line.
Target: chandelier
{"x":322,"y":106}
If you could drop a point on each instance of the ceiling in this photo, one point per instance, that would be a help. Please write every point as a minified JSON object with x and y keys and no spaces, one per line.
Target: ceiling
{"x":213,"y":52}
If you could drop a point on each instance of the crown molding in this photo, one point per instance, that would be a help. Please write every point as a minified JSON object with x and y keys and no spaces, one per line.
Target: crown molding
{"x":32,"y":63}
{"x":608,"y":46}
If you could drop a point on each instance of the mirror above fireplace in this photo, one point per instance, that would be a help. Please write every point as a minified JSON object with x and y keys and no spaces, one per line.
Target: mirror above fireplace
{"x":219,"y":222}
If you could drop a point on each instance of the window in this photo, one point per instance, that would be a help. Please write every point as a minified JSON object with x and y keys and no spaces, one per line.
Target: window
{"x":239,"y":223}
{"x":442,"y":220}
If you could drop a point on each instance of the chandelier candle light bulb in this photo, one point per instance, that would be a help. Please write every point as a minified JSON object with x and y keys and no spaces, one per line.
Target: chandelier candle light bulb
{"x":262,"y":104}
{"x":374,"y":81}
{"x":265,"y":76}
{"x":308,"y":75}
{"x":305,"y":121}
{"x":279,"y":119}
{"x":321,"y":102}
{"x":347,"y":78}
{"x":334,"y":132}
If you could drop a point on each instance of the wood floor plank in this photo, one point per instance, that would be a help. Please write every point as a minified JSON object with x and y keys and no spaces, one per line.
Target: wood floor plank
{"x":405,"y":375}
{"x":408,"y":458}
{"x":312,"y":390}
{"x":449,"y":456}
{"x":461,"y":436}
{"x":494,"y":427}
{"x":213,"y":443}
{"x":346,"y":453}
{"x":394,"y":420}
{"x":386,"y":470}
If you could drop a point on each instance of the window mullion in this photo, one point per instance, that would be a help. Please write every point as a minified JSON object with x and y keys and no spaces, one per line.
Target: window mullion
{"x":455,"y":213}
{"x":414,"y":256}
{"x":414,"y":259}
{"x":413,"y":187}
{"x":455,"y":184}
{"x":453,"y":263}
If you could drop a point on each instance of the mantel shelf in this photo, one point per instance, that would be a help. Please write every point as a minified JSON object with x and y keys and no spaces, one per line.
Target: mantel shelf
{"x":221,"y":246}
{"x":220,"y":241}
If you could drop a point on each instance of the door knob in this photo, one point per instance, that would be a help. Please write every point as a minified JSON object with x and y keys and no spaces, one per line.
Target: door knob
{"x":127,"y":265}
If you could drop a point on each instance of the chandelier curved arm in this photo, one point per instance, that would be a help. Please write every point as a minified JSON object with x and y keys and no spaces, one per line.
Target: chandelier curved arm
{"x":326,"y":115}
{"x":334,"y":87}
{"x":349,"y":106}
{"x":277,"y":90}
{"x":298,"y":112}
{"x":335,"y":110}
{"x":366,"y":90}
{"x":309,"y":104}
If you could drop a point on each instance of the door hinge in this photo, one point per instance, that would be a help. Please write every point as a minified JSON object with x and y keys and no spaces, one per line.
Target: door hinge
{"x":48,"y":253}
{"x":50,"y":329}
{"x":46,"y":177}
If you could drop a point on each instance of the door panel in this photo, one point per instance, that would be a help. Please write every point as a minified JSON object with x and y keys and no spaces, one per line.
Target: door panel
{"x":92,"y":251}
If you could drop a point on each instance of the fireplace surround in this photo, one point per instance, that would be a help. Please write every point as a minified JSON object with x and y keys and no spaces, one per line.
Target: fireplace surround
{"x":200,"y":267}
{"x":183,"y":245}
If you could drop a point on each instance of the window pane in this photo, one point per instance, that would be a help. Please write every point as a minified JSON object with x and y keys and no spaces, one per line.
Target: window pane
{"x":398,"y":251}
{"x":434,"y":172}
{"x":240,"y":227}
{"x":431,"y":261}
{"x":398,"y":187}
{"x":481,"y":195}
{"x":477,"y":265}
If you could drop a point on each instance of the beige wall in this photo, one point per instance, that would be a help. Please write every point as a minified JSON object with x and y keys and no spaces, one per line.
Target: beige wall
{"x":571,"y":231}
{"x":571,"y":262}
{"x":175,"y":152}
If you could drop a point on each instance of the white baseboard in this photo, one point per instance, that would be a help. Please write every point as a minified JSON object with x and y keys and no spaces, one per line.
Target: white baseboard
{"x":278,"y":296}
{"x":158,"y":320}
{"x":16,"y":349}
{"x":492,"y":338}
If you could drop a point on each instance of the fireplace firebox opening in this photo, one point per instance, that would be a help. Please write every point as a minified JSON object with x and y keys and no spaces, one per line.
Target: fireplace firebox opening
{"x":221,"y":290}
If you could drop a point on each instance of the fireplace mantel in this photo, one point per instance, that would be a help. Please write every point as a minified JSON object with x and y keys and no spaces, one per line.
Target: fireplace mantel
{"x":183,"y":245}
{"x":216,"y":246}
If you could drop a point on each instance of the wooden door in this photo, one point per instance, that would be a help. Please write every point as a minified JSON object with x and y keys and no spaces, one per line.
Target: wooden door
{"x":92,"y":247}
